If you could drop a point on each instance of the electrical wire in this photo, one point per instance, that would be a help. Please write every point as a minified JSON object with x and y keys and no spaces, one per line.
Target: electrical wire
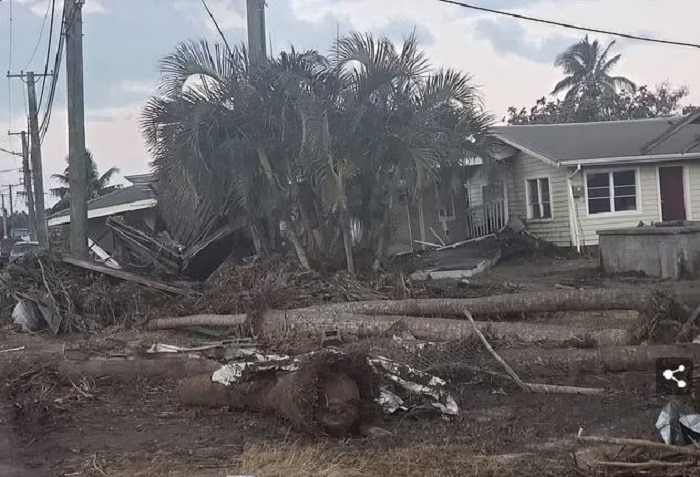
{"x":41,"y":35}
{"x":7,"y":151}
{"x":54,"y":78}
{"x":9,"y":68}
{"x":570,"y":25}
{"x":48,"y":53}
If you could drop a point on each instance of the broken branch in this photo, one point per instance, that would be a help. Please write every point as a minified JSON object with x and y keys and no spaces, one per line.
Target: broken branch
{"x":496,"y":356}
{"x":618,"y":441}
{"x":122,"y":275}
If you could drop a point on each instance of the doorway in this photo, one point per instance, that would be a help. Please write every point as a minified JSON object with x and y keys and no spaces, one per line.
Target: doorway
{"x":672,"y":193}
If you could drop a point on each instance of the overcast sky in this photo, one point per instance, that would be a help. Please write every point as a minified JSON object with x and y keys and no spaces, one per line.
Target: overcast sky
{"x":512,"y":61}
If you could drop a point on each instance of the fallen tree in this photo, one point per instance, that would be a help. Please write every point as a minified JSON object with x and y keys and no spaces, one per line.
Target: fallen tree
{"x":536,"y":302}
{"x":610,"y":359}
{"x":310,"y":323}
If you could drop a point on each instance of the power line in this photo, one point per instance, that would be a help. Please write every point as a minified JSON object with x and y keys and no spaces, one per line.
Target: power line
{"x":216,"y":24}
{"x":41,"y":35}
{"x":56,"y":70}
{"x":9,"y":68}
{"x":48,"y":53}
{"x":570,"y":25}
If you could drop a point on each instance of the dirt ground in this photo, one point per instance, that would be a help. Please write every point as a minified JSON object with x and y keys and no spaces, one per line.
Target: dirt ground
{"x":51,"y":425}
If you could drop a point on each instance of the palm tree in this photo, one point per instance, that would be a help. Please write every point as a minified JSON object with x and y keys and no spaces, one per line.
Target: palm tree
{"x":588,"y":71}
{"x":301,"y":142}
{"x":97,"y":184}
{"x":401,"y":125}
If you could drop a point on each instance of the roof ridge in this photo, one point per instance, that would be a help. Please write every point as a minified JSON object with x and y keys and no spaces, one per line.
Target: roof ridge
{"x":617,"y":121}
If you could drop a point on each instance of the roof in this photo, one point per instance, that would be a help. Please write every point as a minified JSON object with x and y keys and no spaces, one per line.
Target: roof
{"x":136,"y":197}
{"x":607,"y":142}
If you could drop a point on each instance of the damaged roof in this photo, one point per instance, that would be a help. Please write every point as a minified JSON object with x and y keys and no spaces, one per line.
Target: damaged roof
{"x":138,"y":196}
{"x":669,"y":138}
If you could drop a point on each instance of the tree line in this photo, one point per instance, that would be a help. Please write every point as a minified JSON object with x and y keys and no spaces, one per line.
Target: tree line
{"x":592,"y":92}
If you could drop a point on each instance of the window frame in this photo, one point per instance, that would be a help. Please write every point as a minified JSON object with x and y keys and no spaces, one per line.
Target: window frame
{"x":529,"y":204}
{"x":611,"y":185}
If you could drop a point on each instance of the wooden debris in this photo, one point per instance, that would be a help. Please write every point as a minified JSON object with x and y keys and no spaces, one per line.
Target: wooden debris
{"x":529,"y":387}
{"x":122,"y":275}
{"x":618,"y":441}
{"x":145,"y":248}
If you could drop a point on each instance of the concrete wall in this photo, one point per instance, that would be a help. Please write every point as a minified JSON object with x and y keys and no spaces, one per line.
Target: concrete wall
{"x":663,"y":252}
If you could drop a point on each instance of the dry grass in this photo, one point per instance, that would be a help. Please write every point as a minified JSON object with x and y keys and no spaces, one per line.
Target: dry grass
{"x":371,"y":460}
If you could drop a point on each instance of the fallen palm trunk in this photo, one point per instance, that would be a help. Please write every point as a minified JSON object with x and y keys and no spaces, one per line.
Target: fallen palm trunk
{"x":195,"y":320}
{"x":129,"y":369}
{"x":610,"y":359}
{"x":537,"y":302}
{"x":310,"y":322}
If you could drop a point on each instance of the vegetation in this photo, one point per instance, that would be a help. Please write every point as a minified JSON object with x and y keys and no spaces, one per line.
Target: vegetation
{"x":593,"y":93}
{"x":315,"y":148}
{"x":97,"y":184}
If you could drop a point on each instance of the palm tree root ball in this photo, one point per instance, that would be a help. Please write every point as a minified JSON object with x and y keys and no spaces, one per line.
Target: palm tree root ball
{"x":329,"y":394}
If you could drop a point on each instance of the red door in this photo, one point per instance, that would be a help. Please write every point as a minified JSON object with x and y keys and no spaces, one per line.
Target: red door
{"x":672,"y":193}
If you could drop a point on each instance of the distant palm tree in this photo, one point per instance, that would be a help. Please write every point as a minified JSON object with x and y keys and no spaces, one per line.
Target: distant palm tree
{"x":97,"y":185}
{"x":588,"y":71}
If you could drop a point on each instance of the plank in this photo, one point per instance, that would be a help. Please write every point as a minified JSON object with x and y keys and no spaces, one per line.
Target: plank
{"x":123,"y":275}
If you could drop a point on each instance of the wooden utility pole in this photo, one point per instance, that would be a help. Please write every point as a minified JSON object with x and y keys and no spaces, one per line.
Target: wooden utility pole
{"x":76,"y":129}
{"x":4,"y":216}
{"x":28,"y":189}
{"x":42,"y":231}
{"x":257,"y":48}
{"x":27,"y":183}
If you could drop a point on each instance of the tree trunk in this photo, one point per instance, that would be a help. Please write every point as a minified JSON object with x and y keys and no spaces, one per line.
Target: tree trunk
{"x":195,"y":320}
{"x":531,"y":302}
{"x":258,"y":242}
{"x":298,"y":248}
{"x":347,"y":243}
{"x":383,"y":232}
{"x":606,"y":359}
{"x":310,"y":323}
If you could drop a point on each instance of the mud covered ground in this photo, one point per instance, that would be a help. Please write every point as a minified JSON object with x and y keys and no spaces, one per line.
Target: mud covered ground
{"x":53,"y":425}
{"x":115,"y":427}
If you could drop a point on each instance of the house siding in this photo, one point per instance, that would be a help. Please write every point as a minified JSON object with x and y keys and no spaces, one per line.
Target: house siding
{"x":555,"y":230}
{"x":693,"y":183}
{"x":648,"y":204}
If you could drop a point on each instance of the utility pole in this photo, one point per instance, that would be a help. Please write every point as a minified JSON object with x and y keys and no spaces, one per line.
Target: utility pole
{"x":257,"y":49}
{"x":42,"y":231}
{"x":12,"y":211}
{"x":76,"y":129}
{"x":28,"y":189}
{"x":4,"y":216}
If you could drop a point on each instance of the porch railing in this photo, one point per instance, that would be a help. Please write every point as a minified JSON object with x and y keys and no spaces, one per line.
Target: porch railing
{"x":486,"y":219}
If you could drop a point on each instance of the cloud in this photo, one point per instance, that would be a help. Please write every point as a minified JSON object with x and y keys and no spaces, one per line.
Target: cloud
{"x":510,"y":37}
{"x":40,"y":7}
{"x":136,"y":87}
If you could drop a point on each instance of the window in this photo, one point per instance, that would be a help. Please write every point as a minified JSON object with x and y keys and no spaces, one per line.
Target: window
{"x":538,"y":202}
{"x":613,"y":191}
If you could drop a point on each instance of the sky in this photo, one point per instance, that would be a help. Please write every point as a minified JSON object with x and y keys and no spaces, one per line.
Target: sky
{"x":510,"y":60}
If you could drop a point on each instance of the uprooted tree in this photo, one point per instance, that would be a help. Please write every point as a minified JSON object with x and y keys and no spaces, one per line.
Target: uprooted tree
{"x":303,"y":147}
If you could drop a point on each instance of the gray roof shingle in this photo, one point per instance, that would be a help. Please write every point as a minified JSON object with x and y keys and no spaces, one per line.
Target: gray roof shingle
{"x":578,"y":141}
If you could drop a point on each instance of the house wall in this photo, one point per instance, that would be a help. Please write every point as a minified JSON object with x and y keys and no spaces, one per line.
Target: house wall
{"x":555,"y":229}
{"x":647,"y":204}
